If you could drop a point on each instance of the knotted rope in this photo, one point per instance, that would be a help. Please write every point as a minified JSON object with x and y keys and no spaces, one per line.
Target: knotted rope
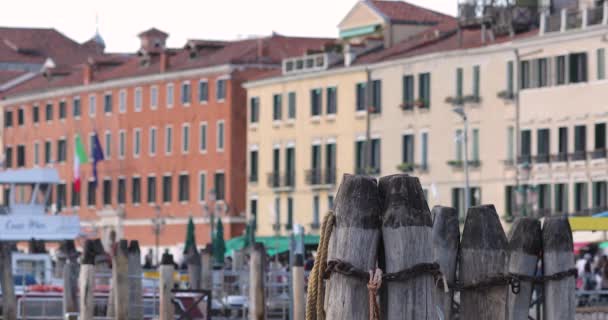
{"x":374,"y":284}
{"x":316,"y":290}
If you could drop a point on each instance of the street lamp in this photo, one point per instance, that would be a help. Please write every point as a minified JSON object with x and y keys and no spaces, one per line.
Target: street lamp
{"x":459,"y":110}
{"x":157,"y":223}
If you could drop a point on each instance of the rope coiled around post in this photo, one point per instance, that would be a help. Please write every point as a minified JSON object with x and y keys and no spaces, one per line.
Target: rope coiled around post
{"x":316,"y":290}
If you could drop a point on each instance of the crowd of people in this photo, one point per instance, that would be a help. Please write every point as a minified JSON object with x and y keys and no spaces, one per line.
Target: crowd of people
{"x":592,"y":272}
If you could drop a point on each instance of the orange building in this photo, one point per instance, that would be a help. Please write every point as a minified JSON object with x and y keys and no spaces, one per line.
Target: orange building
{"x":171,"y":122}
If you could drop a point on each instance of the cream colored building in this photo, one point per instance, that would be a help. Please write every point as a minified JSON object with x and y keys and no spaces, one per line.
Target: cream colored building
{"x":561,"y":165}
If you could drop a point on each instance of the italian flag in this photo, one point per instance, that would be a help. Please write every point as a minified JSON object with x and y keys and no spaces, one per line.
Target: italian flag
{"x":80,"y":157}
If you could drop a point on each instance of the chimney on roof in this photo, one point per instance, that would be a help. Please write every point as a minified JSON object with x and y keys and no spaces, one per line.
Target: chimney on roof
{"x":262,"y":50}
{"x":153,"y":40}
{"x":164,"y":61}
{"x":87,"y":74}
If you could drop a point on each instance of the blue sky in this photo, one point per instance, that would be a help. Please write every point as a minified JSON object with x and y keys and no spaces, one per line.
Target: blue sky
{"x":121,"y":20}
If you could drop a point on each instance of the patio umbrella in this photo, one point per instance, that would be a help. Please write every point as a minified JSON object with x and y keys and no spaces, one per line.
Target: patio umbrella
{"x":219,"y":245}
{"x":190,"y":240}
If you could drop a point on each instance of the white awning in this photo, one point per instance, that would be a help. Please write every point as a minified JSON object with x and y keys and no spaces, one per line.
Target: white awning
{"x":15,"y":227}
{"x":23,"y":176}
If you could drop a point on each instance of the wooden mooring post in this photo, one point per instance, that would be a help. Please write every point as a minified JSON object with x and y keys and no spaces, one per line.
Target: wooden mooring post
{"x":446,"y":240}
{"x":136,"y":310}
{"x":9,"y":300}
{"x":120,"y":280}
{"x":167,"y":310}
{"x":257,"y":304}
{"x":193,"y":259}
{"x":355,"y":241}
{"x":483,"y":255}
{"x":207,"y":268}
{"x":70,"y":278}
{"x":406,"y":233}
{"x":558,"y":256}
{"x":525,"y":244}
{"x":297,"y":282}
{"x":87,"y":281}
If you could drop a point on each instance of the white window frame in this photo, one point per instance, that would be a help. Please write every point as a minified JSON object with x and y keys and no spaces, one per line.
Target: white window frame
{"x":107,"y":152}
{"x":74,"y":98}
{"x":153,"y":151}
{"x":217,"y":135}
{"x":185,"y":146}
{"x":225,"y":79}
{"x":200,"y":143}
{"x":170,"y":102}
{"x":122,"y":143}
{"x":104,"y":102}
{"x":153,"y":97}
{"x":205,"y":80}
{"x":122,"y":101}
{"x":200,"y":180}
{"x":189,"y":83}
{"x":36,"y":150}
{"x":138,"y":92}
{"x":168,"y":146}
{"x":92,"y":105}
{"x":136,"y":133}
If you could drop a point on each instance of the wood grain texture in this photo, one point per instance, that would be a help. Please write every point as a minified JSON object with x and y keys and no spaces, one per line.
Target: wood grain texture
{"x":207,"y":268}
{"x":560,"y":302}
{"x":257,"y":305}
{"x":86,"y":281}
{"x":120,"y":280}
{"x":193,"y":260}
{"x":525,"y":244}
{"x":446,"y":239}
{"x":9,"y":301}
{"x":483,"y":254}
{"x":136,"y":310}
{"x":407,"y":238}
{"x":354,"y":240}
{"x":299,"y":301}
{"x":167,"y":310}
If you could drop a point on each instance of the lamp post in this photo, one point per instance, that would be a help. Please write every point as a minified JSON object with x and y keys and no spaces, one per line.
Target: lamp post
{"x":459,"y":110}
{"x":157,"y":224}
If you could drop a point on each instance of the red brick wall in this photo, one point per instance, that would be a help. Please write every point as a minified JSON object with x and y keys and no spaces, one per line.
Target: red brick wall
{"x":231,"y":160}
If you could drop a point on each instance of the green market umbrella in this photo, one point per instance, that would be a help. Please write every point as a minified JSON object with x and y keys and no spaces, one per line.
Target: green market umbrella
{"x":219,"y":244}
{"x":604,"y":245}
{"x":190,"y":240}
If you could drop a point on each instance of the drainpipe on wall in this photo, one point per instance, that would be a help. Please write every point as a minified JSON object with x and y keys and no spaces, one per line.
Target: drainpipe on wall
{"x":369,"y":106}
{"x":517,"y":120}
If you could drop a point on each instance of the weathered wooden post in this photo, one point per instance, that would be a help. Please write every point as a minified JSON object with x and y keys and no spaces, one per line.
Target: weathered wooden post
{"x":207,"y":268}
{"x":62,"y":257}
{"x":354,"y":241}
{"x":87,"y":281}
{"x":525,"y":244}
{"x":9,"y":301}
{"x":120,"y":280}
{"x":483,"y":255}
{"x":257,"y":304}
{"x":446,"y":239}
{"x":297,"y":275}
{"x":558,"y":256}
{"x":136,"y":311}
{"x":167,"y":310}
{"x":70,"y":278}
{"x":406,"y":233}
{"x":237,"y":260}
{"x":193,"y":259}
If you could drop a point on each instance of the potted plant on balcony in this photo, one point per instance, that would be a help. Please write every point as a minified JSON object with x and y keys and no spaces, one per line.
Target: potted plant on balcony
{"x":472,"y":99}
{"x":421,"y":103}
{"x":407,"y":106}
{"x":455,"y":163}
{"x":454,"y":100}
{"x":406,"y":167}
{"x":506,"y":95}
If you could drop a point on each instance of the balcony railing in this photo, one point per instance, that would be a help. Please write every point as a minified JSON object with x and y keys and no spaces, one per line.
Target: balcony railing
{"x":560,"y":157}
{"x":542,"y":158}
{"x":460,"y":163}
{"x":578,"y":156}
{"x":372,"y":171}
{"x":524,"y":159}
{"x":597,"y":154}
{"x":281,"y":180}
{"x":411,"y":167}
{"x":316,"y":177}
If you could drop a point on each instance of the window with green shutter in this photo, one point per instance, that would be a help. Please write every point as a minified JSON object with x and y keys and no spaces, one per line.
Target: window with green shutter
{"x":459,"y":76}
{"x":510,"y":85}
{"x":476,"y":78}
{"x":408,"y":91}
{"x":601,"y":64}
{"x":424,"y":89}
{"x":475,"y":149}
{"x":291,"y":111}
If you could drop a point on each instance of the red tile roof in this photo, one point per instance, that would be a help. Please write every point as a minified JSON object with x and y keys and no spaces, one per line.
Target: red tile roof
{"x":265,"y":51}
{"x":153,"y":32}
{"x":7,"y":75}
{"x":401,"y":11}
{"x":31,"y":45}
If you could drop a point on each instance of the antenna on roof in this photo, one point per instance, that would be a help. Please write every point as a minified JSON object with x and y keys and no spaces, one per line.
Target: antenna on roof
{"x":96,"y":23}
